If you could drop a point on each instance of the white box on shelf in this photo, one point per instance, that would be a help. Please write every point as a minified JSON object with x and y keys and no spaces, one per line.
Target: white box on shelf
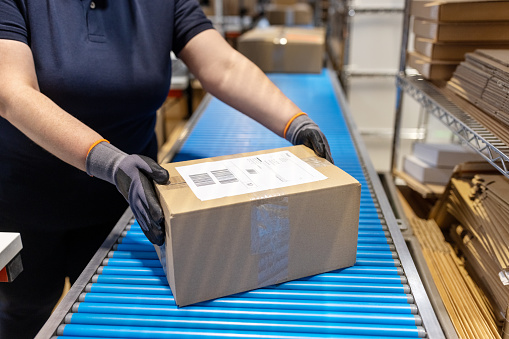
{"x":424,"y":172}
{"x":444,"y":155}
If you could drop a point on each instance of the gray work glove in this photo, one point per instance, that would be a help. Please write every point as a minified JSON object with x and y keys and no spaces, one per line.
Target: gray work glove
{"x":303,"y":131}
{"x":133,"y":175}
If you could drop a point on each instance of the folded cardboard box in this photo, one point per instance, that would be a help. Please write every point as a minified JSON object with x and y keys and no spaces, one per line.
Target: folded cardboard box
{"x":240,"y":222}
{"x":461,"y":10}
{"x":285,"y":49}
{"x":452,"y":51}
{"x":431,"y":69}
{"x":462,"y":31}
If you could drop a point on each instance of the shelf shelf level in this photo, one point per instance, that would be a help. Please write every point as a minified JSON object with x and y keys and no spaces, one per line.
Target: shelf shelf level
{"x":461,"y":124}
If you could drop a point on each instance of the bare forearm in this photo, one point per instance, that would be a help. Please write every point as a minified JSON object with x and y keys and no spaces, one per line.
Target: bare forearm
{"x":48,"y":125}
{"x":34,"y":114}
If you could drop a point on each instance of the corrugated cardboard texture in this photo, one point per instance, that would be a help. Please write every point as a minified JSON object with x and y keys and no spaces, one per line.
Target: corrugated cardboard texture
{"x":285,"y":49}
{"x":462,"y":31}
{"x":461,"y":10}
{"x":431,"y":69}
{"x":228,"y":245}
{"x":452,"y":51}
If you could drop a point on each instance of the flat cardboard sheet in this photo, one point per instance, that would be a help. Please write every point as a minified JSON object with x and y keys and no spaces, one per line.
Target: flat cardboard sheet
{"x":431,"y":69}
{"x":449,"y":51}
{"x":480,"y":204}
{"x":462,"y":31}
{"x":460,"y":10}
{"x":483,"y":80}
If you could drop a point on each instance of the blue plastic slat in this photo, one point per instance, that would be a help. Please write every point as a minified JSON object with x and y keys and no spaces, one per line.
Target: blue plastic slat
{"x":258,"y":326}
{"x":144,"y":308}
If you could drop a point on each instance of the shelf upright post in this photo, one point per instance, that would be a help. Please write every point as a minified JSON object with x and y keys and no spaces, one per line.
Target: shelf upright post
{"x":399,"y":90}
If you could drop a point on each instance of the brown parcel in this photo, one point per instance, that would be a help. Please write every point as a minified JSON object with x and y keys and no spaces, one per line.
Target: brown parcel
{"x":285,"y":49}
{"x":289,"y":15}
{"x":211,"y":247}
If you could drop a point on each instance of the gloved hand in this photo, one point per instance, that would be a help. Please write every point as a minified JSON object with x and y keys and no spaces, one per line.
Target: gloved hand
{"x":133,"y":175}
{"x":303,"y":131}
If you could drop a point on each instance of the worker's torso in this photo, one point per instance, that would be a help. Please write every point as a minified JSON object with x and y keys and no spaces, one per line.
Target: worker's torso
{"x":108,"y":64}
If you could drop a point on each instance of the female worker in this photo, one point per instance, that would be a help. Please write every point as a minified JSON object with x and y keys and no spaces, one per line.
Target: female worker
{"x":80,"y":82}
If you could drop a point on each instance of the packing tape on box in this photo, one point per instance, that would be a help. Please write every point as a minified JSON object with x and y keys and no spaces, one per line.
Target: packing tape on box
{"x":177,"y":182}
{"x":270,"y":237}
{"x":278,"y":52}
{"x":316,"y":161}
{"x":289,"y":16}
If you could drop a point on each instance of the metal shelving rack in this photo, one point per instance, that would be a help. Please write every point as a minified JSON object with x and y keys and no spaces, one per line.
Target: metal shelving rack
{"x":467,"y":129}
{"x":349,"y":11}
{"x":462,"y":125}
{"x":435,"y":102}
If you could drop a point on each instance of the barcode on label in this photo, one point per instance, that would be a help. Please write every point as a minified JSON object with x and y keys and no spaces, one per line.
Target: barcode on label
{"x":202,"y":179}
{"x":251,"y":171}
{"x":224,"y":176}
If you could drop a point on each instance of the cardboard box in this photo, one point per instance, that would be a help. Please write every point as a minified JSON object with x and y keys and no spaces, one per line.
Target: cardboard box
{"x":232,"y":7}
{"x":431,"y":69}
{"x":284,"y":2}
{"x":234,"y":243}
{"x":425,"y":173}
{"x":444,"y":155}
{"x":460,"y":10}
{"x":462,"y":31}
{"x":451,"y":51}
{"x":285,"y":49}
{"x":289,"y":15}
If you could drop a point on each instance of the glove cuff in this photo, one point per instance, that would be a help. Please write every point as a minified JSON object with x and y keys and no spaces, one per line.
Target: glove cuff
{"x":296,"y":125}
{"x":102,"y":161}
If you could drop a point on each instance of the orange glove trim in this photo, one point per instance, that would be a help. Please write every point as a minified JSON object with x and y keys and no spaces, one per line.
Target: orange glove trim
{"x":290,"y":122}
{"x":95,"y":144}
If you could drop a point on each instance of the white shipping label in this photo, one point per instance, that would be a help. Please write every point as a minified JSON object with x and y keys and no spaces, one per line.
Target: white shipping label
{"x":225,"y":178}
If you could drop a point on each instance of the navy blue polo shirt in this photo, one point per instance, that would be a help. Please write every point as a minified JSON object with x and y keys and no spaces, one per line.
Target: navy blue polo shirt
{"x":106,"y":62}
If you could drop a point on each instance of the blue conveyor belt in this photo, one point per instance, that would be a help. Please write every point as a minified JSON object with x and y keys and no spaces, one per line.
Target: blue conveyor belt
{"x":128,"y":296}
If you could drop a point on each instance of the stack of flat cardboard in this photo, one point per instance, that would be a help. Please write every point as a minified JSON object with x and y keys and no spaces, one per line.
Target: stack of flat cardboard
{"x":447,"y":29}
{"x":483,"y":80}
{"x":480,"y":207}
{"x":466,"y":304}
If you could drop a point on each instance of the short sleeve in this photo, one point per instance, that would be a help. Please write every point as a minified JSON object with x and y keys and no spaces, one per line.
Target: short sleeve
{"x":189,"y":21}
{"x":12,"y":21}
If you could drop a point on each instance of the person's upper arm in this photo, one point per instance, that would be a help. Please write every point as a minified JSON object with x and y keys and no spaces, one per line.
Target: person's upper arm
{"x":17,"y":69}
{"x":12,"y":21}
{"x":189,"y":21}
{"x":208,"y":56}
